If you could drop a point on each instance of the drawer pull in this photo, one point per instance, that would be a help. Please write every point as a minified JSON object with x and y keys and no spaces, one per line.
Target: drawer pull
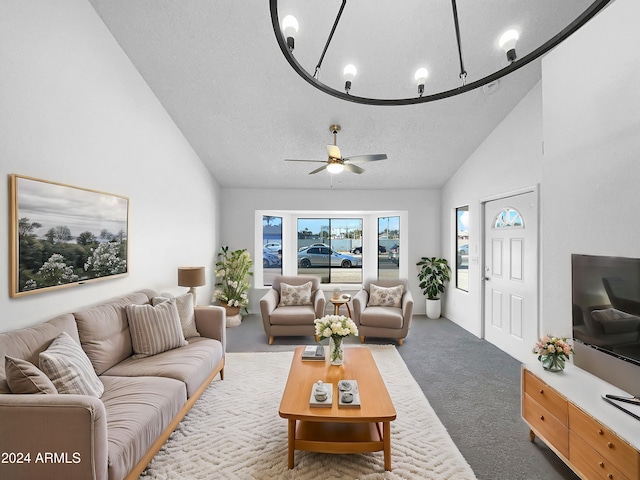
{"x":601,"y":464}
{"x":610,"y":476}
{"x":609,"y":444}
{"x":542,"y":417}
{"x":600,"y":432}
{"x":541,"y":392}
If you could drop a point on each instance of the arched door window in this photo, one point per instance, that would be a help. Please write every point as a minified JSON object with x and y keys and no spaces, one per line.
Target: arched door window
{"x":508,"y":218}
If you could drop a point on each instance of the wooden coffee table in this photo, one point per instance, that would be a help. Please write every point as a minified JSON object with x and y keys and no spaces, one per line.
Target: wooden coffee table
{"x":333,"y":429}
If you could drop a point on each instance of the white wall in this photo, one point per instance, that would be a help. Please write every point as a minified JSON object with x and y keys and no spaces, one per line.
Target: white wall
{"x":423,"y":207}
{"x":74,"y":110}
{"x":508,"y":160}
{"x":591,"y":173}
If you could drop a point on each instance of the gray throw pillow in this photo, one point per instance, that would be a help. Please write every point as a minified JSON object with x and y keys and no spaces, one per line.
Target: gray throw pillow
{"x":25,"y":378}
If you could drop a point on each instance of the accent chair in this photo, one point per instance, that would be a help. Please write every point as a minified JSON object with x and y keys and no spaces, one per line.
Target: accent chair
{"x":289,"y":308}
{"x":379,"y":311}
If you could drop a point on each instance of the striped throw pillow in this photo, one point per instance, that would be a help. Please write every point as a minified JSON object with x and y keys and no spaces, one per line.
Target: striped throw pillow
{"x":154,"y":329}
{"x":69,"y":368}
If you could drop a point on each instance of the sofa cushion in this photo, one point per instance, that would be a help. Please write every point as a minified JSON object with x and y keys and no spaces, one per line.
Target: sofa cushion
{"x":293,"y":315}
{"x":104,"y":330}
{"x":386,"y":317}
{"x":69,"y":368}
{"x":385,"y":296}
{"x":27,"y":343}
{"x":154,"y":329}
{"x":138,"y":411}
{"x":191,"y":364}
{"x":184,"y":304}
{"x":25,"y":378}
{"x":295,"y":294}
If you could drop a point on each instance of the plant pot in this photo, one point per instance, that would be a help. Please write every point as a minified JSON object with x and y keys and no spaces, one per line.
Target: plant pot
{"x":434,"y":308}
{"x":231,"y":311}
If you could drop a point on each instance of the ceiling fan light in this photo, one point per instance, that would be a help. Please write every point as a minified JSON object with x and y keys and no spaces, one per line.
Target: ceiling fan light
{"x":508,"y":43}
{"x":335,"y":167}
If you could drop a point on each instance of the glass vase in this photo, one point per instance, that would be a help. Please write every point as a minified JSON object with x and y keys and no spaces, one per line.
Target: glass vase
{"x":336,"y":350}
{"x":552,"y":363}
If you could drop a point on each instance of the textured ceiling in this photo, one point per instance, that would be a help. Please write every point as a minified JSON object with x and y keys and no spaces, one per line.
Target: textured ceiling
{"x":218,"y":71}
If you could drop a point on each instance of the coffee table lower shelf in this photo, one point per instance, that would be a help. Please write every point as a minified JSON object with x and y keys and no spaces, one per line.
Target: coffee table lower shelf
{"x":339,"y":437}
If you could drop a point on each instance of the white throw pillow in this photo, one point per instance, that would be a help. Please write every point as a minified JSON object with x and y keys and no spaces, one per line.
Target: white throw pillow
{"x":154,"y":329}
{"x":69,"y":368}
{"x":295,"y":294}
{"x":184,"y":304}
{"x":385,"y":296}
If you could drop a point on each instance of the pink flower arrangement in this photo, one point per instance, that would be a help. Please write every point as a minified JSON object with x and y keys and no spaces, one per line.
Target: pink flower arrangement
{"x":552,"y":352}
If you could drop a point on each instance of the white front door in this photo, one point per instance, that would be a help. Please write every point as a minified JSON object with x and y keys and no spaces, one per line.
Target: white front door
{"x":511,"y":274}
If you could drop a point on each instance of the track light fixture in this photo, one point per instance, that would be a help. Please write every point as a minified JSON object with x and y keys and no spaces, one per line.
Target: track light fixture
{"x":286,"y":31}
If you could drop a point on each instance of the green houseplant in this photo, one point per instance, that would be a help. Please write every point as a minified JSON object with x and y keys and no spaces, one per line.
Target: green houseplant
{"x":232,"y":272}
{"x":433,"y":274}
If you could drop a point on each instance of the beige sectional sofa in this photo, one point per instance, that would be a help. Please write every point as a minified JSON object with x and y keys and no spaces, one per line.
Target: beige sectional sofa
{"x":73,"y":436}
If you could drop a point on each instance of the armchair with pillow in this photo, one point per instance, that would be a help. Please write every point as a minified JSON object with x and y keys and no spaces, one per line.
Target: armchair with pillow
{"x":291,"y":305}
{"x":383,"y":308}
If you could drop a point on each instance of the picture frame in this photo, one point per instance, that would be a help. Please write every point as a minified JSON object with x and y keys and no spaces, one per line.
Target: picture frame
{"x":63,"y":236}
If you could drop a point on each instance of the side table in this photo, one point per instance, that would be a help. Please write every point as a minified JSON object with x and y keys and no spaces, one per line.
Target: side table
{"x":338,"y":302}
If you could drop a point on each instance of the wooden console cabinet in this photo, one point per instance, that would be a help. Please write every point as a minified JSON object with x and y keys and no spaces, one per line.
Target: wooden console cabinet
{"x":567,"y":412}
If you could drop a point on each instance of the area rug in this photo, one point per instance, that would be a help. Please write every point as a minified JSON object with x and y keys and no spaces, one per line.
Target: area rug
{"x":234,"y":431}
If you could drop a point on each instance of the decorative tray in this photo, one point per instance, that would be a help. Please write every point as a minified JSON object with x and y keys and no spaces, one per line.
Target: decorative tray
{"x":348,"y":394}
{"x":327,"y":402}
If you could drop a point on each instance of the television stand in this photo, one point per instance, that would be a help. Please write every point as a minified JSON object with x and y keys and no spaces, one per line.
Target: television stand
{"x":566,"y":411}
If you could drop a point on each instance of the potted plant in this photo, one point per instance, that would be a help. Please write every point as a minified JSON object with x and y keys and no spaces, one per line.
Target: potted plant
{"x":232,"y":272}
{"x":434,"y":272}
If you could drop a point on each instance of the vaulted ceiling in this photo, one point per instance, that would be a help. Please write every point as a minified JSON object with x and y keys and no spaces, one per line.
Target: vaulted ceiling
{"x":217,"y":69}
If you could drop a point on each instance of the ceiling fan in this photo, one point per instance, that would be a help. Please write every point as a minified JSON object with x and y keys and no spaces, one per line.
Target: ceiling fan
{"x":335,"y":162}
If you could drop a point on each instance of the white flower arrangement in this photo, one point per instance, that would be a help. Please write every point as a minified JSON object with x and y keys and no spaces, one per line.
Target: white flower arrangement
{"x":335,"y":326}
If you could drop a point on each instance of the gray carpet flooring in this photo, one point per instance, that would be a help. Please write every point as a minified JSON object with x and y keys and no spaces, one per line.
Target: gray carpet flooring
{"x":473,"y":387}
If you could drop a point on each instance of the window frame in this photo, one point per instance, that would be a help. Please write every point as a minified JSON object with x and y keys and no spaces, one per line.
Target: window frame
{"x":369,"y":242}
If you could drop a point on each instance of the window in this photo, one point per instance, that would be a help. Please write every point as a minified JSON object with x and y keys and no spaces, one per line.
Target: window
{"x":509,"y":217}
{"x":339,"y":248}
{"x":389,"y":247}
{"x":462,"y":248}
{"x":324,"y":249}
{"x":271,"y":248}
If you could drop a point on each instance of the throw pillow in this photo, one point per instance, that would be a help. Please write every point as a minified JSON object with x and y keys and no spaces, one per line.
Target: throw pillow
{"x":25,"y":377}
{"x":184,"y":304}
{"x":69,"y":368}
{"x":385,"y":297}
{"x":154,"y":329}
{"x":295,"y":294}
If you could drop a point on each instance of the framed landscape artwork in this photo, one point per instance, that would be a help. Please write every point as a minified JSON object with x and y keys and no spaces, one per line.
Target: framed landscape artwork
{"x":63,"y":236}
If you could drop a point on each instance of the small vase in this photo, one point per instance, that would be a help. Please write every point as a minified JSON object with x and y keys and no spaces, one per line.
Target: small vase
{"x":552,"y":363}
{"x":336,"y":350}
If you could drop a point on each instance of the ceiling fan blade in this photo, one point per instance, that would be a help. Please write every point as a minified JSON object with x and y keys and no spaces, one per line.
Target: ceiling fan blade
{"x":353,"y":168}
{"x":333,"y":151}
{"x":367,"y":158}
{"x":297,"y":160}
{"x":318,"y":169}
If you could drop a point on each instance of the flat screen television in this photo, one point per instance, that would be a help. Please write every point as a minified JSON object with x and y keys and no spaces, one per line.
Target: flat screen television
{"x":606,"y":304}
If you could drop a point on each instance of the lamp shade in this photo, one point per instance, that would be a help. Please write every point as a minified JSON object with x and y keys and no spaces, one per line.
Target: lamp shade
{"x":191,"y":276}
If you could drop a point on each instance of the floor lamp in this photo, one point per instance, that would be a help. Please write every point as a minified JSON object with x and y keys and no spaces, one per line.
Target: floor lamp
{"x":191,"y":277}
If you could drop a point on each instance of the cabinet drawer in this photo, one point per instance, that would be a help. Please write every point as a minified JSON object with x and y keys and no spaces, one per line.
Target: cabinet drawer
{"x":605,"y":442}
{"x":590,"y":463}
{"x":546,"y":396}
{"x":554,"y":432}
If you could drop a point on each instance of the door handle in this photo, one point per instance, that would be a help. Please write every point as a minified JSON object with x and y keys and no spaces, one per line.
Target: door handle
{"x":486,"y":279}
